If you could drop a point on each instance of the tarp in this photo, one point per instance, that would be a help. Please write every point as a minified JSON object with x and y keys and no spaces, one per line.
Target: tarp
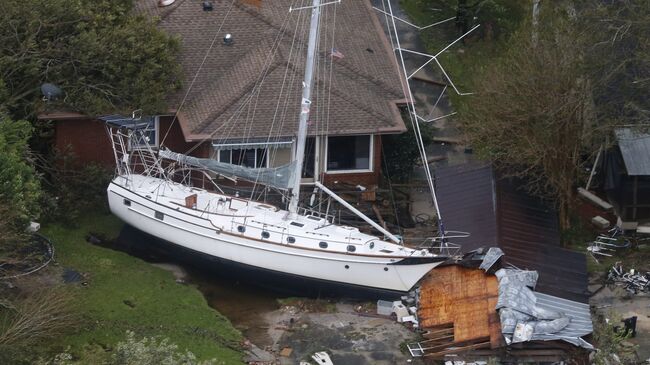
{"x":278,"y":177}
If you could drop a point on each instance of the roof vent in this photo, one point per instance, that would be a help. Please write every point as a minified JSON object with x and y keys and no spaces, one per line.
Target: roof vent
{"x":228,"y":40}
{"x":163,"y":3}
{"x":207,"y":6}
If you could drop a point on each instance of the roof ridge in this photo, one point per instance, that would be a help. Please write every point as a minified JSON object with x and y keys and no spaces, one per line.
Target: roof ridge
{"x":357,"y":71}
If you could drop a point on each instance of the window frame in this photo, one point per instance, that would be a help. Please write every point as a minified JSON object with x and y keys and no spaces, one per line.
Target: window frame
{"x":217,"y":154}
{"x":155,"y":146}
{"x":371,"y":156}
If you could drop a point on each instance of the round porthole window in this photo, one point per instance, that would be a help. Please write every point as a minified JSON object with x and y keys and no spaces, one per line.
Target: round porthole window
{"x":347,"y":266}
{"x":265,"y":234}
{"x":372,"y":245}
{"x":291,"y":239}
{"x":322,"y":244}
{"x":241,"y":229}
{"x":351,"y":248}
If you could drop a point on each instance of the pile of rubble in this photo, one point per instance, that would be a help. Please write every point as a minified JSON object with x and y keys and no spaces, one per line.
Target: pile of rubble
{"x":404,"y":310}
{"x":633,"y":281}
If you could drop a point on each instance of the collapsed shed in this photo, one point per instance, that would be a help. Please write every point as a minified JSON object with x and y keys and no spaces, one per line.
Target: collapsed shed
{"x":499,"y":213}
{"x":468,"y":313}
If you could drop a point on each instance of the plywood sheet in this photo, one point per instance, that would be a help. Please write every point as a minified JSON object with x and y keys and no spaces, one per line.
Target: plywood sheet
{"x":462,"y":296}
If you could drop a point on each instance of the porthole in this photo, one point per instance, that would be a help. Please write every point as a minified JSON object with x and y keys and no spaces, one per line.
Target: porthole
{"x":265,"y":234}
{"x":322,"y":244}
{"x":347,"y":266}
{"x":351,"y":248}
{"x":241,"y":229}
{"x":159,"y":215}
{"x":385,"y":269}
{"x":127,"y":202}
{"x":291,"y":239}
{"x":372,"y":245}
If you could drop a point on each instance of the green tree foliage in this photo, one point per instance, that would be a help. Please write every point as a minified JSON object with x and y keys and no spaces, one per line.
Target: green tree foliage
{"x":19,"y":184}
{"x":532,"y":114}
{"x":98,"y":52}
{"x":401,"y":153}
{"x":148,"y":350}
{"x":618,"y":58}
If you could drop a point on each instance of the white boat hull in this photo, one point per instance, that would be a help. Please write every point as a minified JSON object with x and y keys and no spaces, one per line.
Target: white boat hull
{"x":200,"y":235}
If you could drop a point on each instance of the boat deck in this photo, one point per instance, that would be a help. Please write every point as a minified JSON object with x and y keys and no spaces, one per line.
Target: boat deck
{"x":263,"y":221}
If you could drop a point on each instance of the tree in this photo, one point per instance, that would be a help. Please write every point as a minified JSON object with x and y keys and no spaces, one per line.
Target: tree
{"x":19,"y":184}
{"x":618,"y":59}
{"x":532,"y":114}
{"x":102,"y":56}
{"x":400,"y":151}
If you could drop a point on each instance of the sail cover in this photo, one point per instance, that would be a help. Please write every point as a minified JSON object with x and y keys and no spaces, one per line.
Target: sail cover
{"x":278,"y":177}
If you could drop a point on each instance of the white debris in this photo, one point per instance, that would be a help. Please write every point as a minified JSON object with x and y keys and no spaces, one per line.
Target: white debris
{"x":322,"y":358}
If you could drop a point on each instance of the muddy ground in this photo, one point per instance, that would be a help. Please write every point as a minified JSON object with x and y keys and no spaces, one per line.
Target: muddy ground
{"x":348,"y":337}
{"x":614,"y":302}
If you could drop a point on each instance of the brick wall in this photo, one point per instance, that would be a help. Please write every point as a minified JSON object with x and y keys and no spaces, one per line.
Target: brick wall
{"x":88,"y":141}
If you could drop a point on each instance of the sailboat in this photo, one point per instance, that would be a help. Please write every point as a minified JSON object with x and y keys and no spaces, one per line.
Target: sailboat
{"x":152,"y":192}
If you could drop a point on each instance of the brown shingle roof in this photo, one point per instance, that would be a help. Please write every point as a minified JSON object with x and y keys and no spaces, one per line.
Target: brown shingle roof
{"x":253,"y":88}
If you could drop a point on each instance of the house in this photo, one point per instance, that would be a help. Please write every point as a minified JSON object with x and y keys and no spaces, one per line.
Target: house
{"x":624,"y":172}
{"x":241,"y":93}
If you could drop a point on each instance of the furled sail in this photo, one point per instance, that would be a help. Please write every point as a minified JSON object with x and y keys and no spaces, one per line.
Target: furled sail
{"x":278,"y":177}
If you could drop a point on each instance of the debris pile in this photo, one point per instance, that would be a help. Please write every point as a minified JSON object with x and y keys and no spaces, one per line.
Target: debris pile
{"x":404,"y":310}
{"x":527,"y":315}
{"x":633,"y":281}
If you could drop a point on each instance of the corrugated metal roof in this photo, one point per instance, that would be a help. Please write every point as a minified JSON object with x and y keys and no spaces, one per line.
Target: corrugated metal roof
{"x":578,"y":313}
{"x":497,"y":213}
{"x":635,"y":149}
{"x":467,"y":199}
{"x":529,"y":235}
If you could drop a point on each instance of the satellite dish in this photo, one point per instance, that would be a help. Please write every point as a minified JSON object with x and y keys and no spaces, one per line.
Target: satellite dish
{"x":50,"y":91}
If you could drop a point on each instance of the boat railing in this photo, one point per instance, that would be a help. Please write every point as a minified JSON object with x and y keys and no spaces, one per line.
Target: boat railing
{"x":441,"y":245}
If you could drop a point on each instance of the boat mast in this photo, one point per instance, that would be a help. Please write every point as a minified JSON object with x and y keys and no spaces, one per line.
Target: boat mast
{"x":305,"y":106}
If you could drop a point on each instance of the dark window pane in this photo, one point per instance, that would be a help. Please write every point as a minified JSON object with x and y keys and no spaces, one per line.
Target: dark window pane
{"x":248,"y":159}
{"x":310,"y":158}
{"x":261,"y":157}
{"x":237,"y":157}
{"x":348,"y":153}
{"x":224,"y":156}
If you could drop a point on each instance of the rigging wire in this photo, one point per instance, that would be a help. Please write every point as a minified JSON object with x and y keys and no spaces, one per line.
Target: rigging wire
{"x":205,"y":57}
{"x":413,"y":114}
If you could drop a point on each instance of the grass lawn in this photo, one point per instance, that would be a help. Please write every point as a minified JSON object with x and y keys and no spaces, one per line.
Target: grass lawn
{"x":126,"y":293}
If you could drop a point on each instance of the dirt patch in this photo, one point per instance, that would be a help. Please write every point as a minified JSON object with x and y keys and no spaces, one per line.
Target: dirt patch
{"x":613,"y":299}
{"x":347,"y":336}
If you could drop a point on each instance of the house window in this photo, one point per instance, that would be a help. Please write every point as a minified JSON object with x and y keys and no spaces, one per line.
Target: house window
{"x":147,"y":136}
{"x":250,"y":157}
{"x":347,"y":153}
